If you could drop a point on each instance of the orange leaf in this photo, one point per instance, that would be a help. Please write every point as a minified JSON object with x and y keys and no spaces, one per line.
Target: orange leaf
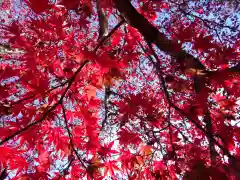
{"x":146,"y":150}
{"x":90,"y":91}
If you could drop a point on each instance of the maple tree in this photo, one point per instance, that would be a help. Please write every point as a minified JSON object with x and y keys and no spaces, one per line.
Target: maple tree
{"x":137,"y":89}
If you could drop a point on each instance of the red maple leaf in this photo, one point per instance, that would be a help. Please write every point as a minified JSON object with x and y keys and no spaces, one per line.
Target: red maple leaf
{"x":157,"y":98}
{"x":38,"y":6}
{"x":107,"y":149}
{"x":127,"y":137}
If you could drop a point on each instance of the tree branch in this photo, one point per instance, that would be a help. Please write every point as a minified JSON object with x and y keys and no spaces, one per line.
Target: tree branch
{"x":63,"y":171}
{"x":209,"y":135}
{"x":151,"y":34}
{"x":104,"y":38}
{"x":45,"y":114}
{"x":34,"y":95}
{"x":70,"y":81}
{"x":70,"y":137}
{"x":106,"y":97}
{"x":209,"y":129}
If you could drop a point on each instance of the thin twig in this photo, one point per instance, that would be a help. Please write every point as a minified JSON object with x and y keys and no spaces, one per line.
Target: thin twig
{"x":34,"y":95}
{"x":71,"y":80}
{"x":66,"y":169}
{"x":70,"y":137}
{"x":104,"y":38}
{"x":199,"y":126}
{"x":45,"y":114}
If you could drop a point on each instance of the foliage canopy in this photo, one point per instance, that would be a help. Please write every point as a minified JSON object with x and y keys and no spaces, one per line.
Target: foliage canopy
{"x":141,"y":89}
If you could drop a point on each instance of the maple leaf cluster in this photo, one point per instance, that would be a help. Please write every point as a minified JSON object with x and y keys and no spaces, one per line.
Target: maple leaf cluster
{"x":156,"y":96}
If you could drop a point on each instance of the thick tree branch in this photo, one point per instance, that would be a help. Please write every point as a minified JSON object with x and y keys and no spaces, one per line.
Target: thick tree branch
{"x":209,"y":129}
{"x":151,"y":34}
